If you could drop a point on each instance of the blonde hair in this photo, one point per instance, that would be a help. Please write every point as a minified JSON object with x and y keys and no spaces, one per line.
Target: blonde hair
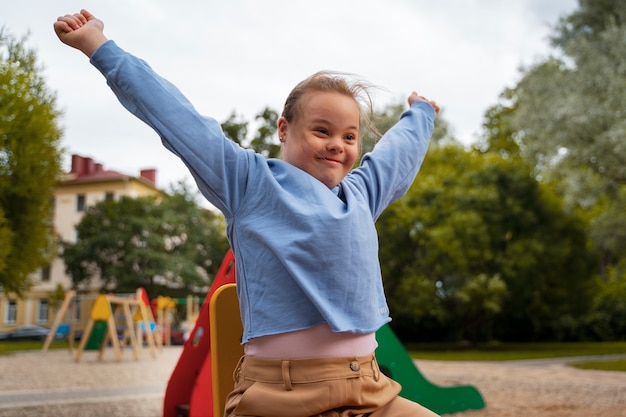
{"x":327,"y":81}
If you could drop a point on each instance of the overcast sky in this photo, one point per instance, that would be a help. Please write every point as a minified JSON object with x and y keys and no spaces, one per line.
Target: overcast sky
{"x":244,"y":55}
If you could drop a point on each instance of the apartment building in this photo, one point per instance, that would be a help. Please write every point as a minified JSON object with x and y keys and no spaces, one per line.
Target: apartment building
{"x":86,"y":184}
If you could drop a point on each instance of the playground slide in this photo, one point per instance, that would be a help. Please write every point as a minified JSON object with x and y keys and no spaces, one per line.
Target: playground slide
{"x":396,"y":363}
{"x":189,"y":390}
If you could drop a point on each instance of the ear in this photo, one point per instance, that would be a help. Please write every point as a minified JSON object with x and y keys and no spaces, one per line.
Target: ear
{"x":283,"y":127}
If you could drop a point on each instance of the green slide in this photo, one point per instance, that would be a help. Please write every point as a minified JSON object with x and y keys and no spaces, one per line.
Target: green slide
{"x":396,"y":363}
{"x":97,"y":335}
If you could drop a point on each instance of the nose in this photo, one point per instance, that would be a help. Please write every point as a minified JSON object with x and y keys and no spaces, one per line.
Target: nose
{"x":335,"y":144}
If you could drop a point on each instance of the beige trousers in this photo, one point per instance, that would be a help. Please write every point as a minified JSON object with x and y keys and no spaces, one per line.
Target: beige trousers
{"x":320,"y":387}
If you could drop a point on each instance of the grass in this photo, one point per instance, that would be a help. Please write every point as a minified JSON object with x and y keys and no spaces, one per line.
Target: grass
{"x":512,"y":351}
{"x":10,"y":347}
{"x":517,"y":351}
{"x":619,"y":365}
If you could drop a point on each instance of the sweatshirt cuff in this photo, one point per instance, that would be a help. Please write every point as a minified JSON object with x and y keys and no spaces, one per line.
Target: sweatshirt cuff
{"x":425,"y":106}
{"x":101,"y":56}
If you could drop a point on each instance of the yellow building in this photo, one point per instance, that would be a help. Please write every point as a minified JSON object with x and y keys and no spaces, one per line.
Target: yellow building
{"x":85,"y":185}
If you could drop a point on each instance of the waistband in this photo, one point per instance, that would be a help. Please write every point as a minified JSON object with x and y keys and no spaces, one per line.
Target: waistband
{"x":314,"y":342}
{"x":295,"y":371}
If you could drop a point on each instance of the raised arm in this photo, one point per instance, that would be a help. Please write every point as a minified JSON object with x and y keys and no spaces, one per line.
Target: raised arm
{"x":218,"y":165}
{"x":387,"y":172}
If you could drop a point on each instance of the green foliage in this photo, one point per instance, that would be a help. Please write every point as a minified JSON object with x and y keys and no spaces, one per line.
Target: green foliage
{"x":608,"y":318}
{"x":56,"y":297}
{"x":477,"y":239}
{"x":478,"y":300}
{"x":498,"y":134}
{"x":204,"y":231}
{"x":589,"y":21}
{"x":29,"y":164}
{"x":6,"y":239}
{"x":264,"y":140}
{"x":566,"y":113}
{"x":235,"y":128}
{"x":565,"y":117}
{"x":169,"y":247}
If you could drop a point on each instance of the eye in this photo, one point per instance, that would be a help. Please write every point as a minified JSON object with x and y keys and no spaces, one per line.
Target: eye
{"x":321,"y":131}
{"x":350,"y":137}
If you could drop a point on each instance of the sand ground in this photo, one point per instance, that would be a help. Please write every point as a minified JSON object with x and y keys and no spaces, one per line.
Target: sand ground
{"x":54,"y":385}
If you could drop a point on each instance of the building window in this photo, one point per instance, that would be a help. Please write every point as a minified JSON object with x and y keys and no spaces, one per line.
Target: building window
{"x":109,"y":196}
{"x":10,"y":314}
{"x":42,"y":311}
{"x":45,"y":273}
{"x":80,"y":202}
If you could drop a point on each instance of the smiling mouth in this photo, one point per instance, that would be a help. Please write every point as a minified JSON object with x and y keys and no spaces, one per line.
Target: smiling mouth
{"x":323,"y":158}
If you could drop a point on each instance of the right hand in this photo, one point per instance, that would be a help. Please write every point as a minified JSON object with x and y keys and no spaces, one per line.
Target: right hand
{"x":82,"y":31}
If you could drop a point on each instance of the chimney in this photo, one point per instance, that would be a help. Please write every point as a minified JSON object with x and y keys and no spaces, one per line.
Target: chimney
{"x":149,"y":174}
{"x":78,"y":165}
{"x":83,"y":166}
{"x":89,"y":166}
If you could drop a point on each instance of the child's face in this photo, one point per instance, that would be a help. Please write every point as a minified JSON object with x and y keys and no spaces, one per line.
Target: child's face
{"x":323,"y":139}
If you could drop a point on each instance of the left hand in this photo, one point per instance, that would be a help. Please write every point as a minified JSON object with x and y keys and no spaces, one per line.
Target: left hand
{"x":416,"y":97}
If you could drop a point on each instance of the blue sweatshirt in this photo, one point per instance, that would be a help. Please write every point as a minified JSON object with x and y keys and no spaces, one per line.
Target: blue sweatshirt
{"x":306,"y":254}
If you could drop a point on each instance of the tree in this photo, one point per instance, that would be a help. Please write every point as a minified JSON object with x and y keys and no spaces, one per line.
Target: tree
{"x":235,"y":128}
{"x":169,"y":247}
{"x":479,"y":247}
{"x":264,"y":140}
{"x":204,"y":231}
{"x":566,"y":115}
{"x":30,"y":162}
{"x":589,"y":21}
{"x":498,"y":134}
{"x":607,"y":320}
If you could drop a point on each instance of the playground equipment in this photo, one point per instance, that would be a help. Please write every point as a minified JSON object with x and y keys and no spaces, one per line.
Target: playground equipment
{"x":66,"y":306}
{"x":396,"y":363}
{"x":192,"y":304}
{"x":132,"y":309}
{"x":202,"y":377}
{"x":164,"y":307}
{"x":189,"y":390}
{"x":226,"y":350}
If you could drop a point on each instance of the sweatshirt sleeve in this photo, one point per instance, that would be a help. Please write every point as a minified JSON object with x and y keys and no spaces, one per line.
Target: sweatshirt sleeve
{"x":386,"y":173}
{"x":218,"y":165}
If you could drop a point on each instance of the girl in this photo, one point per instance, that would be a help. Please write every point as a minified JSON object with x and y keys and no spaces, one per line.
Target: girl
{"x":301,"y":228}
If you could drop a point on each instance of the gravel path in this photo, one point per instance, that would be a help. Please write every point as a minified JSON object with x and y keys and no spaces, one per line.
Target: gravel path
{"x":53,"y":385}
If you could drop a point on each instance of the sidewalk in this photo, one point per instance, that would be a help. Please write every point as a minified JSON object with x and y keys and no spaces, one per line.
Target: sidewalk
{"x":38,"y":398}
{"x":54,"y":385}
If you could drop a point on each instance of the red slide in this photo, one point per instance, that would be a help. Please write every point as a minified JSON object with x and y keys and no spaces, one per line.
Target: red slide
{"x":189,"y":391}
